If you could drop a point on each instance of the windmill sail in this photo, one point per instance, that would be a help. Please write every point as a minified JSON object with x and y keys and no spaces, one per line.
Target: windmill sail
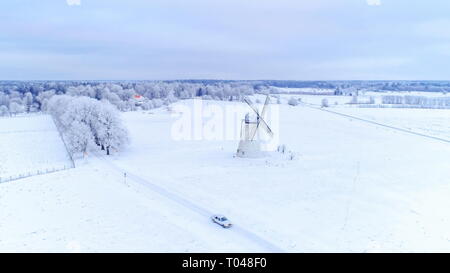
{"x":260,"y":121}
{"x":248,"y":145}
{"x":265,"y":106}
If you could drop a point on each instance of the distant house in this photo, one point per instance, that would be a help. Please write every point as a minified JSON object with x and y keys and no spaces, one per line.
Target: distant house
{"x":138,"y":100}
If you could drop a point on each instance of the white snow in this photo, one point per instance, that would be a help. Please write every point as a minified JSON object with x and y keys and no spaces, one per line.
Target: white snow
{"x":354,"y":186}
{"x":344,"y":100}
{"x":434,"y":122}
{"x":29,"y":144}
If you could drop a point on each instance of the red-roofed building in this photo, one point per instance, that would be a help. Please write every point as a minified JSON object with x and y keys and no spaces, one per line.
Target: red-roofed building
{"x":138,"y":99}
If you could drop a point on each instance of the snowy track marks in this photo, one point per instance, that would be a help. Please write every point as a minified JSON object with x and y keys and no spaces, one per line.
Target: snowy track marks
{"x":380,"y":124}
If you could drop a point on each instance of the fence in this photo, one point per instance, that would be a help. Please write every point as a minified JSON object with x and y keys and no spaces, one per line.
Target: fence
{"x":35,"y":173}
{"x":47,"y":170}
{"x":23,"y":115}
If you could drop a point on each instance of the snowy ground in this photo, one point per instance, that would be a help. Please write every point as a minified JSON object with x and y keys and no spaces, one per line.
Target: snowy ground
{"x":92,"y":209}
{"x":354,"y":186}
{"x":434,"y":122}
{"x":29,"y":144}
{"x":343,"y":101}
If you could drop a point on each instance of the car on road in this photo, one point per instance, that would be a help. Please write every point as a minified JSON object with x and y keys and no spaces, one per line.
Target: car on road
{"x":221,"y":221}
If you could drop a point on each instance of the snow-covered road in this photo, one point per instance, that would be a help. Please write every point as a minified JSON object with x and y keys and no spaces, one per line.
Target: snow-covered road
{"x":266,"y":245}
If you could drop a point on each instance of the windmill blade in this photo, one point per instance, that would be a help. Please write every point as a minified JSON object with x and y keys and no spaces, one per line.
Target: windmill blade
{"x":250,"y":103}
{"x":265,"y":106}
{"x":251,"y":106}
{"x":260,"y":117}
{"x":261,"y":121}
{"x":266,"y":127}
{"x":253,"y":132}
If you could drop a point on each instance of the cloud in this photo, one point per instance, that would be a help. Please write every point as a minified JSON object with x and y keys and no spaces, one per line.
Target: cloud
{"x":73,"y":2}
{"x":374,"y":2}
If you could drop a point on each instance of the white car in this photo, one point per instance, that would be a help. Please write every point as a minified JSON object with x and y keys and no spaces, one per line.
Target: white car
{"x":221,"y":220}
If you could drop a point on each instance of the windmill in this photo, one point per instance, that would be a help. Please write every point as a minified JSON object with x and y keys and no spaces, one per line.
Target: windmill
{"x":250,"y":144}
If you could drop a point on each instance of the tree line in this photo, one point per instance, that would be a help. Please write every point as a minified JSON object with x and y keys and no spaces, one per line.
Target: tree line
{"x":84,"y":121}
{"x":418,"y":101}
{"x":25,"y":97}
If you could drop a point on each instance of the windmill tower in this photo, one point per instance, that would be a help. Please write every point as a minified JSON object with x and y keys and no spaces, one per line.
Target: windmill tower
{"x":250,"y":144}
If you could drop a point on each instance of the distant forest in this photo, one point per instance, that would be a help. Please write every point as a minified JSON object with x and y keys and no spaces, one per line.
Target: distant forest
{"x":33,"y":96}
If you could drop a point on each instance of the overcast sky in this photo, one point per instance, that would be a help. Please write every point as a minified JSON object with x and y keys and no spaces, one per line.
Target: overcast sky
{"x":225,"y":39}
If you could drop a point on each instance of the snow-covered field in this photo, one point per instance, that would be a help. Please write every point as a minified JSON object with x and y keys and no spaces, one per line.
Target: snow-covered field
{"x":30,"y":144}
{"x":434,"y":122}
{"x":343,"y":101}
{"x":354,"y":186}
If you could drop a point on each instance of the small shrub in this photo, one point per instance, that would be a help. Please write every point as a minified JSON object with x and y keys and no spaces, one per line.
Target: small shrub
{"x":293,"y":102}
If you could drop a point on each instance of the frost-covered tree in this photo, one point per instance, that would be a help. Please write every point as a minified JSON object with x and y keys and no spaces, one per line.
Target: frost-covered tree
{"x":78,"y":137}
{"x":28,"y":101}
{"x":147,"y":105}
{"x":81,"y":90}
{"x":16,"y":108}
{"x":4,"y":99}
{"x":293,"y":101}
{"x":392,"y":100}
{"x":84,"y":120}
{"x":157,"y":103}
{"x":112,"y":135}
{"x":113,"y":98}
{"x":170,"y":98}
{"x":4,"y":111}
{"x":43,"y":98}
{"x":15,"y":96}
{"x":57,"y":107}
